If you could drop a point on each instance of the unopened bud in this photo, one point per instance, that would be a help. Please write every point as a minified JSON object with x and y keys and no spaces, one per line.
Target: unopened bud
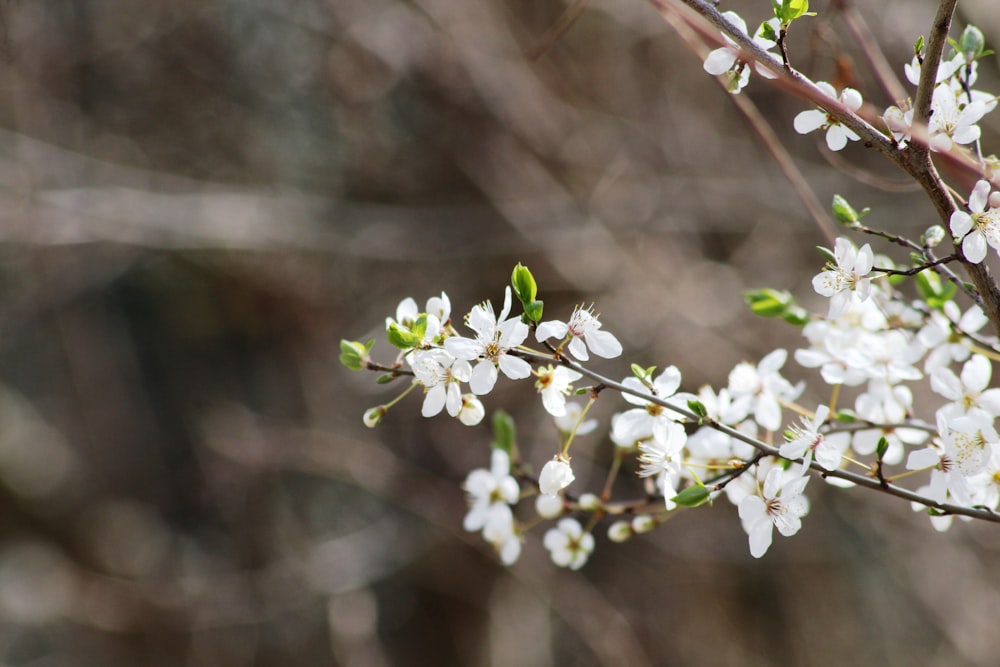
{"x":548,"y":506}
{"x":643,"y":524}
{"x":619,"y":531}
{"x":972,"y":43}
{"x":589,"y":502}
{"x":933,"y":236}
{"x":374,"y":415}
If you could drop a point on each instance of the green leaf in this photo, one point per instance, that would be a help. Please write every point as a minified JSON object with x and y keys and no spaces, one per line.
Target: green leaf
{"x":845,"y":417}
{"x":354,"y":355}
{"x":524,"y":284}
{"x":692,"y":496}
{"x":796,"y":316}
{"x":643,"y":374}
{"x":882,"y":447}
{"x":401,"y":337}
{"x":768,"y":302}
{"x":843,"y":211}
{"x":504,"y":431}
{"x":698,"y":408}
{"x":918,"y":46}
{"x":935,"y":291}
{"x":766,"y":30}
{"x":533,"y":311}
{"x":789,"y":10}
{"x":385,"y":378}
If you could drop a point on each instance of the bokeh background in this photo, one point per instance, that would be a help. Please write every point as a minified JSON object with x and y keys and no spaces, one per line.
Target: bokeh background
{"x":200,"y":198}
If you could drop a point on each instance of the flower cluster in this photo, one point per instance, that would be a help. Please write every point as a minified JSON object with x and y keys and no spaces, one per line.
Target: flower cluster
{"x":874,"y":348}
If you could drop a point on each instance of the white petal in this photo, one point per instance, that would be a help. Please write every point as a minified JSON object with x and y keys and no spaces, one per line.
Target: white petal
{"x":720,"y":61}
{"x":578,"y":349}
{"x":513,"y":367}
{"x":551,"y":329}
{"x":760,"y":537}
{"x":604,"y":344}
{"x":484,"y":377}
{"x":960,"y":222}
{"x":836,"y":137}
{"x":978,"y":199}
{"x":976,"y":373}
{"x":463,"y":348}
{"x":974,"y":247}
{"x":433,"y":401}
{"x":807,"y":121}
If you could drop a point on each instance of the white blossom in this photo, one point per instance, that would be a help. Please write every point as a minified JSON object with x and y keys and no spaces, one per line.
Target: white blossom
{"x":765,"y":387}
{"x":846,"y":280}
{"x":812,"y":444}
{"x":568,"y":545}
{"x":978,"y":228}
{"x":554,"y":384}
{"x":489,"y":489}
{"x":495,"y":336}
{"x":584,"y":331}
{"x":837,"y":134}
{"x":442,"y":375}
{"x":779,"y":503}
{"x":556,"y":475}
{"x":725,"y":60}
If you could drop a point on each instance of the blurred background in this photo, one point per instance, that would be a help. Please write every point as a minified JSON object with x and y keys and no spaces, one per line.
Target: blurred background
{"x":200,"y":198}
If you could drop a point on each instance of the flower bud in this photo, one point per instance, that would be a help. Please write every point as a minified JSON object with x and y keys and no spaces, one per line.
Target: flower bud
{"x":548,"y":506}
{"x":589,"y":502}
{"x":933,"y":236}
{"x":619,"y":531}
{"x":556,"y":476}
{"x":374,"y":415}
{"x":643,"y":524}
{"x":971,"y":43}
{"x":472,"y":411}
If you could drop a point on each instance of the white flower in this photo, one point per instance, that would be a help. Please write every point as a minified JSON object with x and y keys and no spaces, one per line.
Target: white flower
{"x":662,"y":459}
{"x":938,"y":334}
{"x":779,"y":503}
{"x":661,"y":455}
{"x":568,"y":545}
{"x":488,"y":489}
{"x":650,"y":419}
{"x":584,"y":330}
{"x":765,"y":386}
{"x":501,"y":531}
{"x":847,"y":279}
{"x":970,"y":391}
{"x":980,"y":228}
{"x":946,"y":69}
{"x":442,"y":375}
{"x":438,"y":312}
{"x":494,"y":338}
{"x":725,"y":60}
{"x":809,"y":442}
{"x":554,"y":384}
{"x":900,"y":123}
{"x":946,"y":483}
{"x":837,"y":134}
{"x":556,"y":475}
{"x":569,"y":419}
{"x":969,"y":440}
{"x":951,"y":122}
